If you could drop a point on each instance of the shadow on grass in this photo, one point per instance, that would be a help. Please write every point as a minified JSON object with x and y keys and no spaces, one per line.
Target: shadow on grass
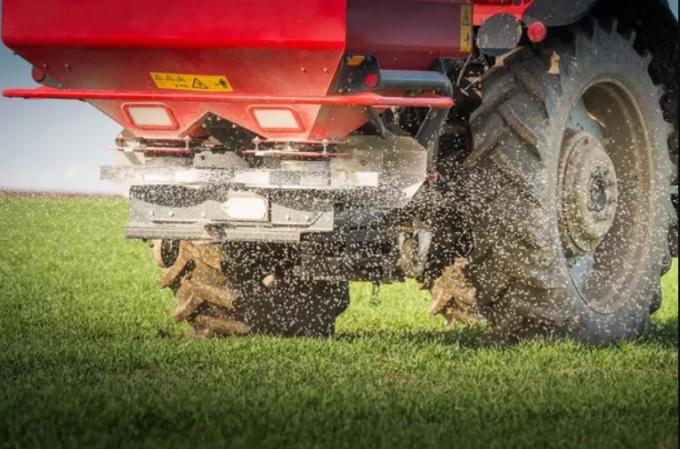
{"x":664,"y":334}
{"x":472,"y":337}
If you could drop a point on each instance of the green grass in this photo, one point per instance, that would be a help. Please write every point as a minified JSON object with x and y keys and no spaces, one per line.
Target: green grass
{"x":82,"y":364}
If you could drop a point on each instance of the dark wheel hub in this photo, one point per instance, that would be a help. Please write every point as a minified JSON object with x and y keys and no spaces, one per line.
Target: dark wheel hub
{"x":598,"y":190}
{"x":589,"y":193}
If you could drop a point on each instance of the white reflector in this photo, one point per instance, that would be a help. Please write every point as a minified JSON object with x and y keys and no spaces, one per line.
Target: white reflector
{"x":284,"y":119}
{"x":250,"y":208}
{"x":151,"y":117}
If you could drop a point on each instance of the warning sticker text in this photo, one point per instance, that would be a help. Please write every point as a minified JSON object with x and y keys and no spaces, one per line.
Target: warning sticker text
{"x":187,"y":81}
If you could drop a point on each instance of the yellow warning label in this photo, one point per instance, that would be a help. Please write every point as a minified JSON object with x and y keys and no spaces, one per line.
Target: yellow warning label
{"x":466,"y":28}
{"x":187,"y":81}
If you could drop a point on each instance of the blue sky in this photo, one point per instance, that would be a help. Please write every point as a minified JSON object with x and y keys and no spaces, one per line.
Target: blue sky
{"x":49,"y":144}
{"x":53,"y":145}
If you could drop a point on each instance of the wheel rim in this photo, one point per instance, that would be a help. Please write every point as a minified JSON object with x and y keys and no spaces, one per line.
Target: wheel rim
{"x":590,"y":194}
{"x":605,"y":185}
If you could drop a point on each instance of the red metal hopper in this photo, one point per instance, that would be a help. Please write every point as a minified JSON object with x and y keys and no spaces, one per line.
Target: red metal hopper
{"x":275,"y":68}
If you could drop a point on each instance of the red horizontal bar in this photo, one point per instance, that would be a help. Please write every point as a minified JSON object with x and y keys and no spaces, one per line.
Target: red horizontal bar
{"x":365,"y":99}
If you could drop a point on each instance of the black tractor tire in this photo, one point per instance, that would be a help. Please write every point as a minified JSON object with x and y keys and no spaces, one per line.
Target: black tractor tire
{"x":520,"y":266}
{"x":249,"y":289}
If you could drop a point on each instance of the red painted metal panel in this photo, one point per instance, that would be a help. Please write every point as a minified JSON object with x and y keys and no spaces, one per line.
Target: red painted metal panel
{"x":483,"y":11}
{"x":262,"y":47}
{"x":310,"y":24}
{"x":405,"y":34}
{"x":266,"y":49}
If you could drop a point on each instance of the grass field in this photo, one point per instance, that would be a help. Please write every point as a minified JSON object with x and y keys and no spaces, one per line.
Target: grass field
{"x":86,"y":361}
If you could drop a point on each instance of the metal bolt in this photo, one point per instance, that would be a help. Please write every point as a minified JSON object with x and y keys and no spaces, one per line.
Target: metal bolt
{"x":287,"y":217}
{"x":171,"y":214}
{"x":151,"y":213}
